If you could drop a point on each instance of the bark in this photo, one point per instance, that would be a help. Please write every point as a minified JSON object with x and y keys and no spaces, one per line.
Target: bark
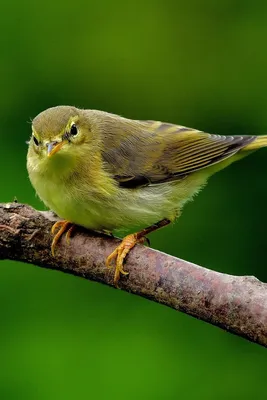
{"x":237,"y":304}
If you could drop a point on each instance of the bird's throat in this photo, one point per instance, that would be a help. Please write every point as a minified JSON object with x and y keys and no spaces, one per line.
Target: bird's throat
{"x":60,"y":165}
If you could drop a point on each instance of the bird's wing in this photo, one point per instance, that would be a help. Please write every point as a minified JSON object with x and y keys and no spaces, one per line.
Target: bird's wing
{"x":148,"y":152}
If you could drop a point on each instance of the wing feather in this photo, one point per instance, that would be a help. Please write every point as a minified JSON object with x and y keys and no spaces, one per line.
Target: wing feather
{"x":150,"y":152}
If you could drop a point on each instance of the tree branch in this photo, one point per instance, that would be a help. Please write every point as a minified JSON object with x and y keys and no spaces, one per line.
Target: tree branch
{"x":235,"y":303}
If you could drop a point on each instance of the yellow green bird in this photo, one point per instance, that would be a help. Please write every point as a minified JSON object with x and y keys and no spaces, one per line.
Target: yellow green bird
{"x":105,"y":172}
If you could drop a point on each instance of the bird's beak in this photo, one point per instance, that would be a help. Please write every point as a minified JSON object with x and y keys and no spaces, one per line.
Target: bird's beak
{"x":54,"y":147}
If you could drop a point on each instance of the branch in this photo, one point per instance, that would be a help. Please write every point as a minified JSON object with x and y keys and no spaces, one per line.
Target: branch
{"x":237,"y":304}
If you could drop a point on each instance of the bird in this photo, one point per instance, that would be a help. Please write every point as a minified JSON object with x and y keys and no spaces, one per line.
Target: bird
{"x":104,"y":172}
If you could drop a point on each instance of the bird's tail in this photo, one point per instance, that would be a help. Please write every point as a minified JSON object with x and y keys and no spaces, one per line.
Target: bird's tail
{"x":260,"y":141}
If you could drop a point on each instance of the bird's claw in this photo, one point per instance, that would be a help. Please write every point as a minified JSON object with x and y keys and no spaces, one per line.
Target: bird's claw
{"x":64,"y":226}
{"x":120,"y":253}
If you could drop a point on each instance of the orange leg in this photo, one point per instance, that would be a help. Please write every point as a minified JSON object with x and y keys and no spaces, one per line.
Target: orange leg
{"x":119,"y":254}
{"x":64,"y":226}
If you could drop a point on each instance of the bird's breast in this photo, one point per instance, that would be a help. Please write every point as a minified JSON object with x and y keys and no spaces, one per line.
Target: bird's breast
{"x":110,"y":207}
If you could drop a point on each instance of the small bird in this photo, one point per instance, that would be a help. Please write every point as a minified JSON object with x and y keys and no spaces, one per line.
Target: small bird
{"x":105,"y":172}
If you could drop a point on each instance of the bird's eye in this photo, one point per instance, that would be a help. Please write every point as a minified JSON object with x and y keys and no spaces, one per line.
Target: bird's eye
{"x":35,"y":141}
{"x":73,"y":130}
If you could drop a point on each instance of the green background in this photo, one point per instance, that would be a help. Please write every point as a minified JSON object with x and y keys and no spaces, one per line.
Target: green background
{"x":197,"y":63}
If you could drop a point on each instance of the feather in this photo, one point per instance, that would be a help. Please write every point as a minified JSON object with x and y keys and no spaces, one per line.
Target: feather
{"x":142,"y":153}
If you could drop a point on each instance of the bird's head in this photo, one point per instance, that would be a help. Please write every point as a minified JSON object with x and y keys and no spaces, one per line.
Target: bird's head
{"x":59,"y":138}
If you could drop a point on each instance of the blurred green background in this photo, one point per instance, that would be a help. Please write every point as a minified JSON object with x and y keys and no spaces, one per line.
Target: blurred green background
{"x":199,"y":64}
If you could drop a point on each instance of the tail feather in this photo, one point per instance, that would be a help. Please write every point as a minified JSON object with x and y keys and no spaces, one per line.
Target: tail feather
{"x":260,"y":141}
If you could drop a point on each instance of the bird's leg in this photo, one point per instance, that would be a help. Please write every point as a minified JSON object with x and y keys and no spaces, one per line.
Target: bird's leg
{"x":64,"y":226}
{"x":119,"y":254}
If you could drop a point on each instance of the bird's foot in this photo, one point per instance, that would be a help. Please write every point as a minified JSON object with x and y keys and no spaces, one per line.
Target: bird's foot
{"x":63,"y":227}
{"x":119,"y":254}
